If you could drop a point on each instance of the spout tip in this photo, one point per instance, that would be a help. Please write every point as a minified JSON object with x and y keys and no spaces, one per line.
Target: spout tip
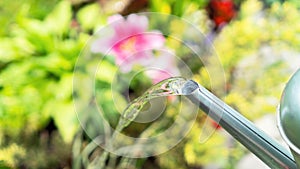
{"x":189,"y":87}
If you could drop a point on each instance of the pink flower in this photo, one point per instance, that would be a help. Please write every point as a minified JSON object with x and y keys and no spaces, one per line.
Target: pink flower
{"x":128,"y":40}
{"x":162,"y":66}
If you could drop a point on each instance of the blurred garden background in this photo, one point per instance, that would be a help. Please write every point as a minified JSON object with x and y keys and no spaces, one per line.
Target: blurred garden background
{"x":257,"y":42}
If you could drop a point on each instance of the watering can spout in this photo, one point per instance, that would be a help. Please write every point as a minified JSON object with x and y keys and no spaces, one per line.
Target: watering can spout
{"x":189,"y":87}
{"x":259,"y":143}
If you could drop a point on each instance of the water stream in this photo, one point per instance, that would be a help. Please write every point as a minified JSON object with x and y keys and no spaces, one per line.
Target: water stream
{"x":169,"y":87}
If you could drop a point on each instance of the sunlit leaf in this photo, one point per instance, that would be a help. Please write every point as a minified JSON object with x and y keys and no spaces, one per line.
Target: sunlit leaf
{"x":59,"y":20}
{"x":90,"y":16}
{"x":65,"y":119}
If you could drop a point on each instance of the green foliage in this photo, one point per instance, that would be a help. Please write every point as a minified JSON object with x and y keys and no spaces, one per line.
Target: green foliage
{"x":269,"y":3}
{"x":3,"y":165}
{"x":58,"y":21}
{"x":37,"y":57}
{"x":257,"y":52}
{"x":9,"y":10}
{"x":90,"y":17}
{"x":37,"y":71}
{"x":213,"y":150}
{"x":10,"y":154}
{"x":178,"y":8}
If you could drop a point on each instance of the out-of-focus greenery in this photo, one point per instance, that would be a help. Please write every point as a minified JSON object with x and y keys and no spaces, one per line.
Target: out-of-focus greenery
{"x":177,"y":8}
{"x":259,"y":52}
{"x":10,"y":10}
{"x":269,"y":3}
{"x":37,"y":57}
{"x":39,"y":45}
{"x":37,"y":60}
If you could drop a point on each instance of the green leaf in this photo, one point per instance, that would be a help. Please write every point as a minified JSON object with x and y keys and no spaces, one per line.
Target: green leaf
{"x":35,"y":32}
{"x":54,"y":63}
{"x":69,"y":48}
{"x":90,"y":16}
{"x":3,"y":165}
{"x":112,"y":104}
{"x":9,"y":51}
{"x":65,"y":119}
{"x":106,"y":72}
{"x":64,"y":88}
{"x":58,"y":22}
{"x":178,"y":8}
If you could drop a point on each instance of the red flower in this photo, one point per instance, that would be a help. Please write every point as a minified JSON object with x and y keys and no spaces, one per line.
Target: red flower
{"x":221,"y":11}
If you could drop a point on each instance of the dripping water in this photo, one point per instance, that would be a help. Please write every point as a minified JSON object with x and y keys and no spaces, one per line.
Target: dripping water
{"x":168,"y":87}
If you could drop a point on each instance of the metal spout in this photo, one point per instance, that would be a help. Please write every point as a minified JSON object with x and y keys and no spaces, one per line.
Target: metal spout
{"x":263,"y":146}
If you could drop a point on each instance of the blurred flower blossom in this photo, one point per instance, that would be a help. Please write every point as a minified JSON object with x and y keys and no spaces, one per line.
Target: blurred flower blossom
{"x":162,"y":66}
{"x":129,"y":41}
{"x":221,"y":11}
